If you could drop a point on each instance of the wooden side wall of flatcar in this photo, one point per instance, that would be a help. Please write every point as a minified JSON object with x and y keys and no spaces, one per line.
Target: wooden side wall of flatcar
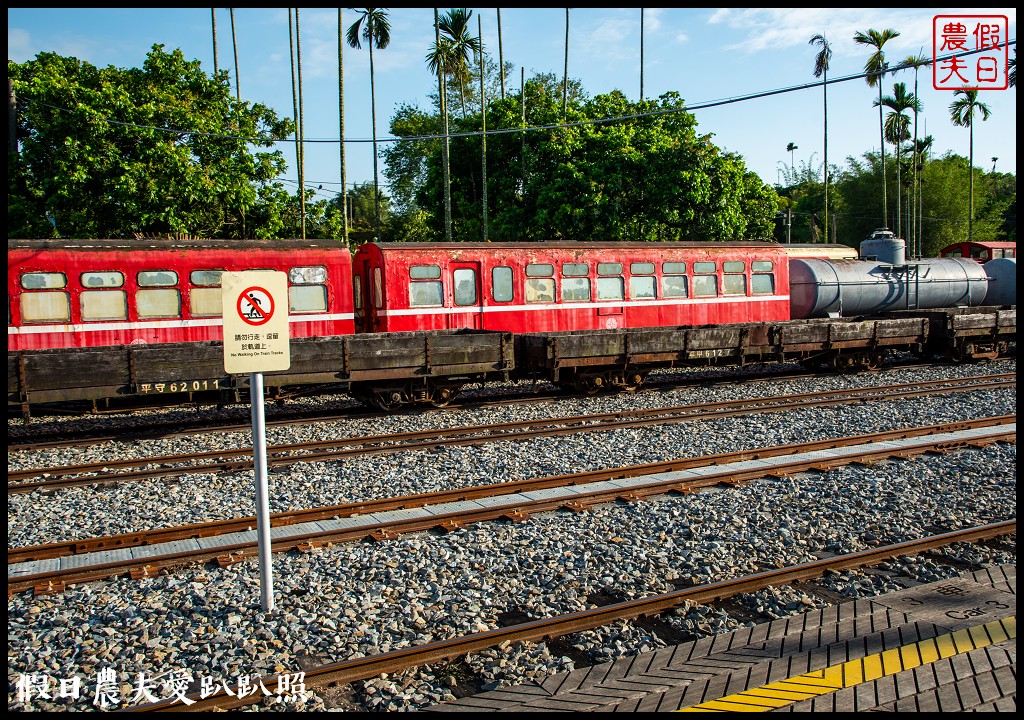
{"x":616,"y":353}
{"x":62,"y":297}
{"x":182,"y":371}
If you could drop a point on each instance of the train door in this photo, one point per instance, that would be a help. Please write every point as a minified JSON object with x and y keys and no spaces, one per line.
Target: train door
{"x":466,"y":299}
{"x":368,"y":297}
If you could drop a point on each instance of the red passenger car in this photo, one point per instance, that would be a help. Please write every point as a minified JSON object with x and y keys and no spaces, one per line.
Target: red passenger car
{"x":89,"y":293}
{"x":980,"y":251}
{"x":539,"y":287}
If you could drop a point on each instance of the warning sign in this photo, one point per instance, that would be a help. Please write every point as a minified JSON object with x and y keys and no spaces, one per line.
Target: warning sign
{"x":256,"y":337}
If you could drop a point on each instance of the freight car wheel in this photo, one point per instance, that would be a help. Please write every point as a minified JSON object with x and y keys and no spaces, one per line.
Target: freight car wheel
{"x":388,"y":400}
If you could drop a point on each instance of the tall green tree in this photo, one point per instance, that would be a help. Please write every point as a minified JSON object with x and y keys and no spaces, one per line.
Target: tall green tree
{"x":916,"y":62}
{"x":374,"y":27}
{"x":791,"y":148}
{"x":897,"y":131}
{"x":962,"y":112}
{"x":115,"y":152}
{"x":821,"y":63}
{"x":875,"y":68}
{"x":652,"y":178}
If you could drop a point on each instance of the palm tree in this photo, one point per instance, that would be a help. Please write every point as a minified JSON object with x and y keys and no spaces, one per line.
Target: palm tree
{"x":444,"y":122}
{"x":456,"y":46}
{"x":821,"y":61}
{"x":875,"y":69}
{"x":501,"y":57}
{"x":962,"y":113}
{"x":376,"y":31}
{"x":565,"y":76}
{"x":792,"y":163}
{"x":213,"y":19}
{"x":921,"y":147}
{"x":234,"y":46}
{"x":341,"y":121}
{"x":916,"y":62}
{"x":897,"y":131}
{"x":641,"y":54}
{"x":296,"y":108}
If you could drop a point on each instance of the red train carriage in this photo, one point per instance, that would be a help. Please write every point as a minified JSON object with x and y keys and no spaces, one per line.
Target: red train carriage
{"x":542,"y":287}
{"x":980,"y":251}
{"x":90,"y":293}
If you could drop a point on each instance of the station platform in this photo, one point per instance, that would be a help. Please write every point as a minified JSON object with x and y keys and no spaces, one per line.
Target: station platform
{"x":948,"y":646}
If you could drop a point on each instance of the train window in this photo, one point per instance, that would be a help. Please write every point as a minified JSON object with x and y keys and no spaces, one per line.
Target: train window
{"x":642,"y":268}
{"x":104,"y":304}
{"x":642,"y":288}
{"x":43,"y":281}
{"x":539,"y":289}
{"x":357,"y":292}
{"x":206,"y":278}
{"x":540,"y":270}
{"x":378,"y":288}
{"x":760,"y":266}
{"x":575,"y":289}
{"x":610,"y":288}
{"x":425,"y":272}
{"x":705,"y":285}
{"x":53,"y":306}
{"x":315,"y":275}
{"x":609,"y":268}
{"x":734,"y":281}
{"x":762,"y":284}
{"x":425,"y":293}
{"x":734,"y":284}
{"x":501,"y":284}
{"x":308,"y":291}
{"x":162,"y":303}
{"x":673,"y":268}
{"x":574,"y":269}
{"x":102,"y":279}
{"x":702,"y":268}
{"x":307,"y":298}
{"x":464,"y":280}
{"x":673,"y":286}
{"x":157,"y":278}
{"x":952,"y":254}
{"x":205,"y":302}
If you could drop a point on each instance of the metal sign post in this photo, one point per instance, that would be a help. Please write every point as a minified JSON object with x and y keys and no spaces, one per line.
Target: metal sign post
{"x":255,"y":306}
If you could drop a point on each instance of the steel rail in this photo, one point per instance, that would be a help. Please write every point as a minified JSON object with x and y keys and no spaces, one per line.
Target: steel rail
{"x":320,"y":451}
{"x":348,"y":671}
{"x":291,"y":517}
{"x":56,"y":580}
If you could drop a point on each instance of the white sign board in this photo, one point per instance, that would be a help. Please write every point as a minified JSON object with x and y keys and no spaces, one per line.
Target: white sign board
{"x":256,"y":337}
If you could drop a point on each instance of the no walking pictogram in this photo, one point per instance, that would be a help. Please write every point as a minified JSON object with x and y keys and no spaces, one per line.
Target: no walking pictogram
{"x":255,"y":306}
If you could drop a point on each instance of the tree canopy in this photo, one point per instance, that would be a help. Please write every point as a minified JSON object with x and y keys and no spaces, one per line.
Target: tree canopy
{"x":160,"y":149}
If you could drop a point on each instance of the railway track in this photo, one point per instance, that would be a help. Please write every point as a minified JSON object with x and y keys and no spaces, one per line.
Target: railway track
{"x":871,"y":448}
{"x":68,"y":438}
{"x":29,"y":480}
{"x":362,"y":668}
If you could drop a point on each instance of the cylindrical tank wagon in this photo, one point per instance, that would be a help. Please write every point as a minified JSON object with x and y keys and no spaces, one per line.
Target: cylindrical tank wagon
{"x":1002,"y":281}
{"x":845,"y":288}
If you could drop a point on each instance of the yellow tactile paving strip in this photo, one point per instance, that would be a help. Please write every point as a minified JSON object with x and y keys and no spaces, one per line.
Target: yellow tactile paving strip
{"x":854,"y":672}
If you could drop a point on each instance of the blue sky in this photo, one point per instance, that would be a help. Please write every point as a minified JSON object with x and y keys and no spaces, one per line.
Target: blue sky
{"x":704,"y":54}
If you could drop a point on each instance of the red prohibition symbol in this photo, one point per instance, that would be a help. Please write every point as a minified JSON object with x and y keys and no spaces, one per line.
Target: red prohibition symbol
{"x":255,"y":306}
